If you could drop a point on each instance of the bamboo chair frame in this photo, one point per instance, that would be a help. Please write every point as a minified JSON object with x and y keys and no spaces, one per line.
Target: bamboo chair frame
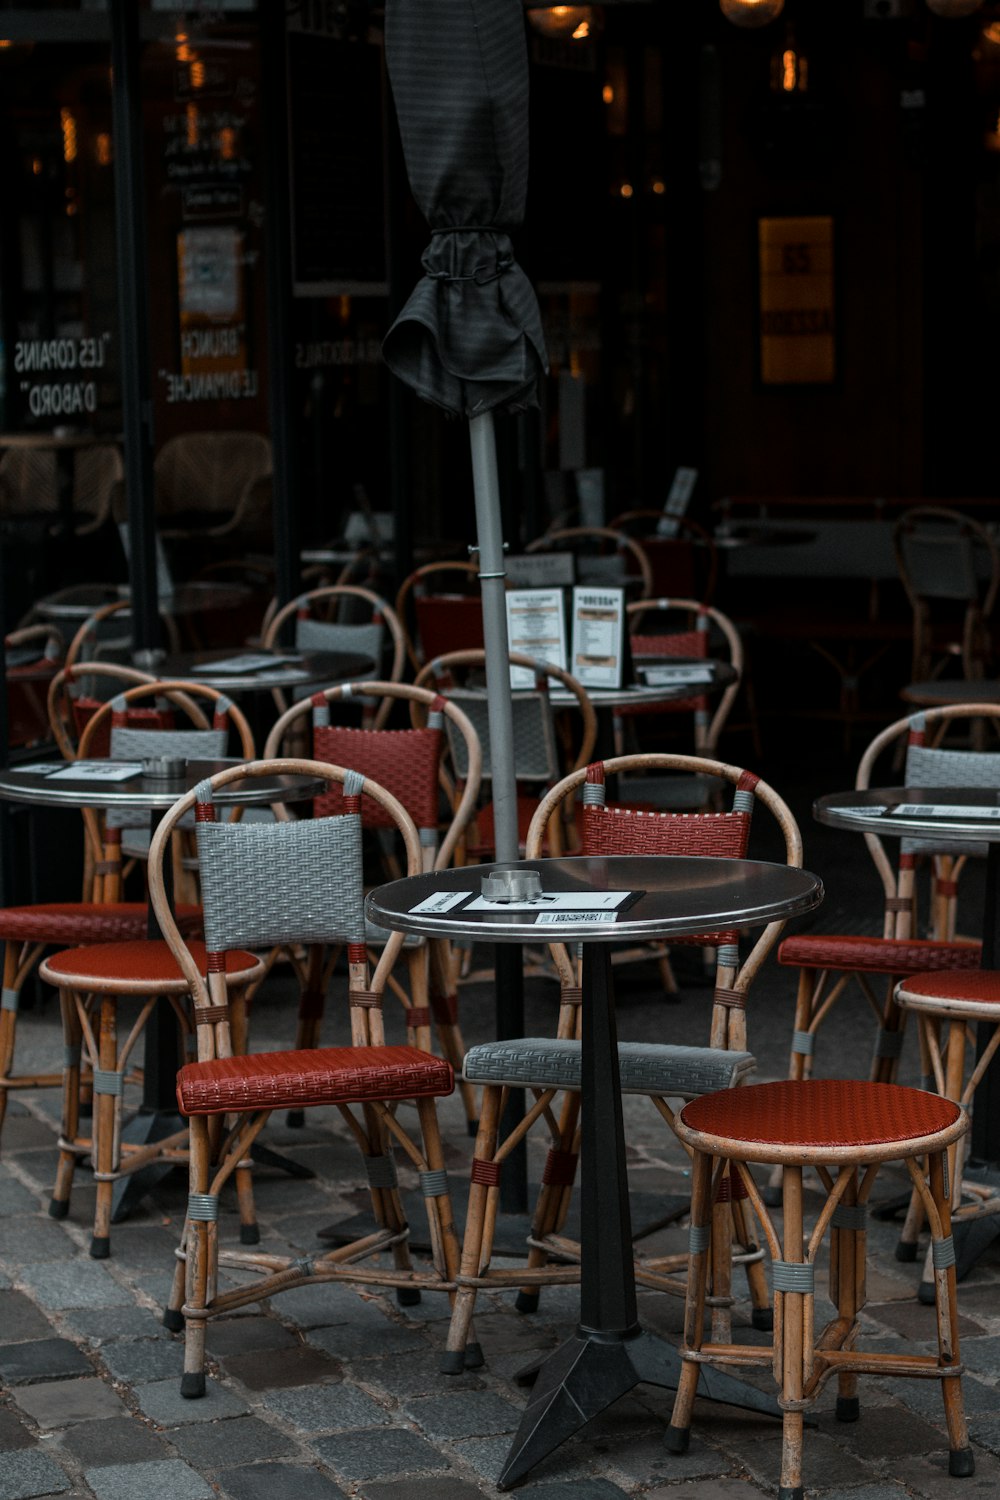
{"x":414,"y":586}
{"x":552,"y":541}
{"x":973,"y":644}
{"x":708,"y":727}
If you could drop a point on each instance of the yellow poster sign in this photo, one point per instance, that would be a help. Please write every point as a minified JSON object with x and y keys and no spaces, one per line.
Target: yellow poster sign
{"x":797,"y":343}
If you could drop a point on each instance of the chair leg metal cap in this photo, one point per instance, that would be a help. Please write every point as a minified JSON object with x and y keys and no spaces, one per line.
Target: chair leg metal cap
{"x":848,"y":1408}
{"x":762,"y":1318}
{"x":249,"y":1234}
{"x":526,"y":1302}
{"x":961,"y":1463}
{"x":677,"y":1439}
{"x":295,"y":1119}
{"x":173,"y":1319}
{"x":790,"y":1492}
{"x":472,"y":1128}
{"x":452,"y":1362}
{"x":193,"y":1386}
{"x":58,"y":1208}
{"x":906,"y":1251}
{"x":407,"y":1296}
{"x":925,"y":1293}
{"x":474,"y":1356}
{"x":100,"y":1246}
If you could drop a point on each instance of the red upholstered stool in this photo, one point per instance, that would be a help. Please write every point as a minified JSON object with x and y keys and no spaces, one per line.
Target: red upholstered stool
{"x":844,"y":1130}
{"x":90,"y":981}
{"x":948,"y":1008}
{"x":26,"y":931}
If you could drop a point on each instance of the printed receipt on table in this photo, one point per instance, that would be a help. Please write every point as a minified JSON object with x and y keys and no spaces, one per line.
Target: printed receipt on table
{"x":942,"y":810}
{"x":550,"y":906}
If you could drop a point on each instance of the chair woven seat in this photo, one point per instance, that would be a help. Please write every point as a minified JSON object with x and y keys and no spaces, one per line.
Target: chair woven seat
{"x":875,"y":955}
{"x":76,"y":922}
{"x":819,"y":1114}
{"x":145,"y":962}
{"x":311,"y":1076}
{"x":979,"y":989}
{"x":550,"y":1062}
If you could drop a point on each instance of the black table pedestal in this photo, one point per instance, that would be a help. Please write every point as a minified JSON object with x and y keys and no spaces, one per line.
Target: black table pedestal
{"x":610,"y":1352}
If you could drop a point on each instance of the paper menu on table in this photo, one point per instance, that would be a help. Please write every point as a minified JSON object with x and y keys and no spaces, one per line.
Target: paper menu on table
{"x":572,"y":901}
{"x":536,"y":626}
{"x":941,"y":810}
{"x":98,"y":770}
{"x":598,"y":636}
{"x":248,"y":662}
{"x":666,"y":676}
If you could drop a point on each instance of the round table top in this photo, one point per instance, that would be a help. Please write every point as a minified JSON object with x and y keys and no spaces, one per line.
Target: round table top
{"x":972,"y":812}
{"x":185,"y":599}
{"x":762,"y":535}
{"x":672,"y":895}
{"x":720,"y":675}
{"x":38,"y":787}
{"x":937,"y":692}
{"x":274,"y":669}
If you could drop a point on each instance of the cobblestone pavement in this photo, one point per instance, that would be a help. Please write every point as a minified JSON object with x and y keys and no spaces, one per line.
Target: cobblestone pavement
{"x":331,"y":1391}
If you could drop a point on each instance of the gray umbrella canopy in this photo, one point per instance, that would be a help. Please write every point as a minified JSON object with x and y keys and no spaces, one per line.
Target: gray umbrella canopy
{"x":470,"y":337}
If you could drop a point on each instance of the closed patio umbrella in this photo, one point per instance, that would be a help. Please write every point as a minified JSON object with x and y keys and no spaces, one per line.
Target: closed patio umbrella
{"x":470,"y":337}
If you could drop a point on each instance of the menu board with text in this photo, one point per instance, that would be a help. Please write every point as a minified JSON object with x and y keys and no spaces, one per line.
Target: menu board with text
{"x":536,"y":626}
{"x":597,"y":655}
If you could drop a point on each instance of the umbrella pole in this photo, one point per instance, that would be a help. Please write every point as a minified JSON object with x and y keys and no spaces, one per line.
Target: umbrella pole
{"x":507,"y":957}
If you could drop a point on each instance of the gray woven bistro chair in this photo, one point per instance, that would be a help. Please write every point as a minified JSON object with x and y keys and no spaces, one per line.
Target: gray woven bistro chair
{"x":285,"y":883}
{"x":343,"y":617}
{"x":949,"y":566}
{"x":551,"y":1066}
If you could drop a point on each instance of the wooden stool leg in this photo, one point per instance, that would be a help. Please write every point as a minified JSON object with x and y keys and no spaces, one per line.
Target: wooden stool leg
{"x":793,"y":1324}
{"x":8,"y":1020}
{"x":201,"y":1244}
{"x":847,"y":1288}
{"x":105,"y":1119}
{"x":477,"y":1243}
{"x":678,"y":1434}
{"x":72,"y":1041}
{"x":761,"y":1315}
{"x":961,"y":1462}
{"x":554,"y":1196}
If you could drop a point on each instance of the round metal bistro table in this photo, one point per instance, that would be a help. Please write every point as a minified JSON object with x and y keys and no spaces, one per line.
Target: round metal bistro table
{"x":74,"y":605}
{"x":254,"y":671}
{"x":39,"y":785}
{"x":669,"y":896}
{"x":671,"y":680}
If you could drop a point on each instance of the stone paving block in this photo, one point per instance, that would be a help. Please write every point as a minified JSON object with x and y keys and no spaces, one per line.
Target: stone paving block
{"x":163,"y":1403}
{"x":825,"y":1463}
{"x":141,"y":1361}
{"x":168,"y":1479}
{"x":29,"y":1239}
{"x":13,"y":1433}
{"x":247,"y":1335}
{"x":982,"y":1355}
{"x":25,"y":1133}
{"x":63,"y":1403}
{"x":729,"y":1489}
{"x":348,"y":1340}
{"x":77,"y":1283}
{"x":27,"y":1473}
{"x":209,"y":1445}
{"x":20,"y":1319}
{"x":283,"y":1368}
{"x":915,"y":1321}
{"x":487,"y":1456}
{"x":15,"y":1197}
{"x":465,"y":1414}
{"x":416,"y":1375}
{"x":924,"y":1397}
{"x":323,"y":1306}
{"x":111,"y":1323}
{"x":928,"y":1477}
{"x":146,"y":1246}
{"x":112,"y":1441}
{"x":883,"y":1432}
{"x":645,"y":1458}
{"x":43,"y":1359}
{"x":441,"y":1487}
{"x":278,"y":1482}
{"x":363,"y":1455}
{"x":571,"y":1489}
{"x":985,"y":1431}
{"x":326,"y":1408}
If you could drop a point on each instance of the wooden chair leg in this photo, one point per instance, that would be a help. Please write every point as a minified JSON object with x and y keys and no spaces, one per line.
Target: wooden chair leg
{"x":105,"y":1115}
{"x":554,"y":1195}
{"x":72,"y":1041}
{"x":461,"y":1351}
{"x":847,"y":1260}
{"x":961,"y":1462}
{"x":678,"y":1434}
{"x":201,"y":1245}
{"x":793,"y":1327}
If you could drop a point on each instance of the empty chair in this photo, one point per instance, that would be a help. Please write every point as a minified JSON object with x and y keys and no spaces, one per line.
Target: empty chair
{"x":343,"y":617}
{"x":683,"y":556}
{"x":603,"y":555}
{"x":950,"y":568}
{"x":440,"y":609}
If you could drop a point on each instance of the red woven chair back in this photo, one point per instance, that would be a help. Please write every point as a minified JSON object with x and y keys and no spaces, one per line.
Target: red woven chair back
{"x":610,"y":829}
{"x":675,"y":643}
{"x":448,"y":622}
{"x":404,"y":761}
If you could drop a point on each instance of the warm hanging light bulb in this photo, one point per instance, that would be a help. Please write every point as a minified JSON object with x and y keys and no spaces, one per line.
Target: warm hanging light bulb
{"x":751,"y":12}
{"x":953,"y":10}
{"x":566,"y":22}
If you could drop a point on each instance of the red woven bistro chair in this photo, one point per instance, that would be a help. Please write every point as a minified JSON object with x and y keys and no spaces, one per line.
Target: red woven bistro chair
{"x":684,"y":558}
{"x":326,"y":619}
{"x":440,"y":609}
{"x":100,"y":916}
{"x":77,"y":692}
{"x":298,"y":882}
{"x":32,"y":656}
{"x":829,"y":962}
{"x":413,"y":765}
{"x":951,"y":1010}
{"x":92,"y":980}
{"x":551,"y":1066}
{"x":844,"y":1131}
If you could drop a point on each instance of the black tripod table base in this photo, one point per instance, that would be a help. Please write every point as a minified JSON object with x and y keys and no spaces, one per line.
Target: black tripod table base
{"x":588,"y":1373}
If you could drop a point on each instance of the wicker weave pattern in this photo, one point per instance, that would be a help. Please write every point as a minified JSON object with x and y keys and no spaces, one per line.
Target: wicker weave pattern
{"x":327,"y":635}
{"x":821,"y":1112}
{"x":448,"y":622}
{"x":934,"y":767}
{"x":645,"y":1068}
{"x":679,"y":643}
{"x":86,"y":922}
{"x":84,"y":709}
{"x":978,"y":986}
{"x":536,"y":757}
{"x":269,"y":883}
{"x":193,"y":744}
{"x":315,"y":1076}
{"x":139,"y":959}
{"x":404,"y":761}
{"x":873,"y":955}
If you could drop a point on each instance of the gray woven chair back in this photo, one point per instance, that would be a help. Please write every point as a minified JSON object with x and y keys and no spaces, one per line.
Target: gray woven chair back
{"x":928,"y":767}
{"x":329,"y":635}
{"x":940,"y":564}
{"x":142,"y":744}
{"x":269,"y":883}
{"x":536,"y":756}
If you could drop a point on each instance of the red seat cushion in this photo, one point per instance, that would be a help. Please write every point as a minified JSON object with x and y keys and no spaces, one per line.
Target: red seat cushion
{"x":75,"y":922}
{"x":875,"y":955}
{"x":148,"y":961}
{"x":820,"y":1112}
{"x":977,"y":986}
{"x":319,"y":1075}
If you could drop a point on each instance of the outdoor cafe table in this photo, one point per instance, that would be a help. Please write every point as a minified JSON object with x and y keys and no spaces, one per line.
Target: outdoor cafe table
{"x":152,"y":795}
{"x":971,"y":814}
{"x":258,"y":669}
{"x":75,"y":605}
{"x":663,"y":897}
